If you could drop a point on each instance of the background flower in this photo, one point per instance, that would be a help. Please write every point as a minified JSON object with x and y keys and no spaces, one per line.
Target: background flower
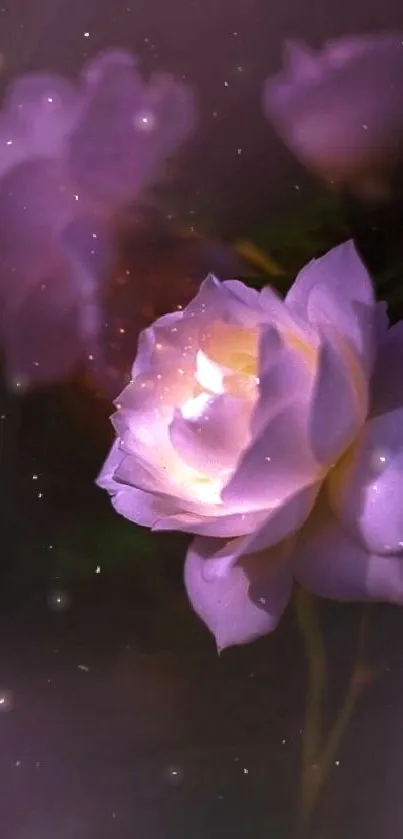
{"x":72,"y":157}
{"x":340,"y":109}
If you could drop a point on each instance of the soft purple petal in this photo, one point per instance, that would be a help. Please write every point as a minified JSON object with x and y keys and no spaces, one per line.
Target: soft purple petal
{"x":340,"y":109}
{"x":227,"y":301}
{"x":182,"y":510}
{"x":121,"y":469}
{"x":331,"y":564}
{"x":221,"y":525}
{"x":366,"y":490}
{"x":338,"y":407}
{"x":105,"y":479}
{"x":211,"y":442}
{"x":387,"y":380}
{"x":283,"y":371}
{"x":129,"y":128}
{"x":143,"y":508}
{"x":276,"y":464}
{"x":137,"y":471}
{"x":247,"y":295}
{"x":47,"y":108}
{"x":259,"y":530}
{"x":286,"y":319}
{"x":337,"y":291}
{"x":279,"y":460}
{"x":300,"y":61}
{"x":244,"y":603}
{"x":283,"y":521}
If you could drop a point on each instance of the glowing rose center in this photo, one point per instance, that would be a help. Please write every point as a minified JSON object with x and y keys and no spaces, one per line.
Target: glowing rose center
{"x":227,"y":363}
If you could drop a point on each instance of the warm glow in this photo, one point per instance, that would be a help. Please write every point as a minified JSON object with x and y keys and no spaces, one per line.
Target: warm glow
{"x":226,"y":362}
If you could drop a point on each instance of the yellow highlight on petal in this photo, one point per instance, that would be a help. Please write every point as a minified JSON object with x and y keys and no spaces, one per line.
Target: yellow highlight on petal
{"x":337,"y":476}
{"x":301,"y":345}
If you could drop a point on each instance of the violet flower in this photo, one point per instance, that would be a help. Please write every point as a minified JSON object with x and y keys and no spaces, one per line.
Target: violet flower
{"x":273,"y":430}
{"x":71,"y":157}
{"x":340,"y":109}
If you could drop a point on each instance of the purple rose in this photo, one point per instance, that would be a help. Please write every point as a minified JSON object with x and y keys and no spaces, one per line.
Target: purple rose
{"x":247,"y":416}
{"x":340,"y":110}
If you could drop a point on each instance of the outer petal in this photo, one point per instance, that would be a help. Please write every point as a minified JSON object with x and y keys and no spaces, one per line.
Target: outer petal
{"x":105,"y":479}
{"x":337,"y":290}
{"x":242,"y":604}
{"x":224,"y":526}
{"x":229,"y":301}
{"x":143,"y":508}
{"x":124,"y":473}
{"x":366,"y":489}
{"x":331,"y":564}
{"x":140,"y":507}
{"x":387,"y":382}
{"x":277,"y":463}
{"x":261,"y":528}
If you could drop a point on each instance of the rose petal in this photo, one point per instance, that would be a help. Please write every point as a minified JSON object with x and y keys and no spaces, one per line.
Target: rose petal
{"x":143,"y":508}
{"x":366,"y":489}
{"x":287,"y":320}
{"x":276,"y":464}
{"x":226,"y":301}
{"x":225,"y":526}
{"x":283,"y":521}
{"x":264,"y":528}
{"x":387,"y":389}
{"x":212,"y":441}
{"x":283,"y":370}
{"x":331,"y":564}
{"x":244,"y":603}
{"x":338,"y":408}
{"x":47,"y":107}
{"x":185,"y":511}
{"x":121,"y":469}
{"x":127,"y":129}
{"x":337,"y":290}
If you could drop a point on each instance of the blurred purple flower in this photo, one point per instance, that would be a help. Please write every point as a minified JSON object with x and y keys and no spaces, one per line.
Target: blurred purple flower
{"x":248,"y":416}
{"x":71,"y":157}
{"x":340,"y":110}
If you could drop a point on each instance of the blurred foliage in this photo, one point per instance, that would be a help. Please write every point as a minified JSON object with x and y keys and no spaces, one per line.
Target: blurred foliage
{"x":284,"y":244}
{"x":280,"y":248}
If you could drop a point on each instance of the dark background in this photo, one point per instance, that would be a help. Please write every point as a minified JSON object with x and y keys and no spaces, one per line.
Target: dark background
{"x":117,"y":717}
